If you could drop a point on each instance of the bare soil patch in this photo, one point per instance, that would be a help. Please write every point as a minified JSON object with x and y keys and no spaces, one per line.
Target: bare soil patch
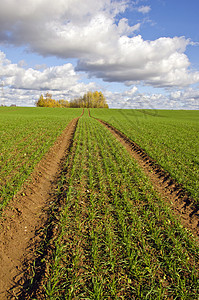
{"x":27,"y":213}
{"x":182,"y":204}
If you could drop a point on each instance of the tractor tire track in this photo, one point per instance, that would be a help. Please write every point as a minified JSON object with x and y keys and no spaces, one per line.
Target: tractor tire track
{"x":27,"y":213}
{"x":172,"y":192}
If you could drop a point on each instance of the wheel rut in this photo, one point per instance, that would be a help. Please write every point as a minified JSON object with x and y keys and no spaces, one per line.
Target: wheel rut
{"x":27,"y":213}
{"x":184,"y":207}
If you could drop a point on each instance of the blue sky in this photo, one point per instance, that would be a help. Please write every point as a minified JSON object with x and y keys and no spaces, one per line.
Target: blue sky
{"x":140,"y":54}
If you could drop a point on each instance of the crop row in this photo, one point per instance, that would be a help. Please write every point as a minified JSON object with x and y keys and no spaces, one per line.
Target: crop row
{"x":169,"y":137}
{"x":115,"y":239}
{"x":26,"y":135}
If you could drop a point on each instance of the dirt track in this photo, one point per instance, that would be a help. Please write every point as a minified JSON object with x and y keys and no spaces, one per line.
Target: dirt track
{"x":183,"y":206}
{"x":26,"y":213}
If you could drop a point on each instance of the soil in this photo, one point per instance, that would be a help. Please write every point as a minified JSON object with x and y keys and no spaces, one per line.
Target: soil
{"x":27,"y":213}
{"x":184,"y":207}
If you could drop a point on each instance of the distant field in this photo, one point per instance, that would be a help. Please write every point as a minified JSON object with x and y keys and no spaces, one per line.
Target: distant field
{"x":26,"y":135}
{"x":169,"y":137}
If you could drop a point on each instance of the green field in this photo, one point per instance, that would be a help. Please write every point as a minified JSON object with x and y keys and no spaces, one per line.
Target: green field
{"x":26,"y":135}
{"x":113,"y":236}
{"x":169,"y":137}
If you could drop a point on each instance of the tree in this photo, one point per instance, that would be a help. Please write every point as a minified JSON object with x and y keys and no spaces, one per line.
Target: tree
{"x":49,"y":102}
{"x":95,"y":100}
{"x":63,"y":103}
{"x":41,"y":101}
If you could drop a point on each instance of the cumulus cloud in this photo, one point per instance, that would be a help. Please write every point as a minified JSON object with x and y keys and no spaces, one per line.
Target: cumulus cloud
{"x":54,"y":78}
{"x":66,"y":28}
{"x":134,"y":99}
{"x":90,"y":31}
{"x":161,"y":63}
{"x":131,"y":91}
{"x":189,"y":97}
{"x":62,"y":81}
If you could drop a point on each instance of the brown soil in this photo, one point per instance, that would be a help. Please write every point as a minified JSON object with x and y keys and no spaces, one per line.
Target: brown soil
{"x":26,"y":213}
{"x":183,"y":206}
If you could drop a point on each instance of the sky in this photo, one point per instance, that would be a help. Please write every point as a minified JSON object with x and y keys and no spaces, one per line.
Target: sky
{"x":140,"y":54}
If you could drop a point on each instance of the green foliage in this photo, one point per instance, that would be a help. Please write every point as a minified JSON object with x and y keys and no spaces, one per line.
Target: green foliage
{"x":169,"y":137}
{"x":115,"y":238}
{"x":26,"y":135}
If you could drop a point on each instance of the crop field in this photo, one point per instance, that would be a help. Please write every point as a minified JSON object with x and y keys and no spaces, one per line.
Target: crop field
{"x":26,"y":135}
{"x":170,"y":137}
{"x":115,"y":239}
{"x":109,"y":234}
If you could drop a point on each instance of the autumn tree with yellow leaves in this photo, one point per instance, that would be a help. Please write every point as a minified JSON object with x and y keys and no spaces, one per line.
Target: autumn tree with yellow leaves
{"x":92,"y":100}
{"x":49,"y":102}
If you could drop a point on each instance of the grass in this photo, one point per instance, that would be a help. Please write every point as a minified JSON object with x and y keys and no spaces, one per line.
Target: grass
{"x":169,"y":137}
{"x":26,"y":135}
{"x":115,"y":238}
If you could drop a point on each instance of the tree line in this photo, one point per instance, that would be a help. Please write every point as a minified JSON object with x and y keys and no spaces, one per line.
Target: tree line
{"x":90,"y":100}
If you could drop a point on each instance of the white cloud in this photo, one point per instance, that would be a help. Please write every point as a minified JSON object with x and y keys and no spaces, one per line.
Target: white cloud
{"x":176,"y":94}
{"x":54,"y":78}
{"x":144,"y":9}
{"x":160,"y":63}
{"x":90,"y":31}
{"x":26,"y":84}
{"x":189,"y":97}
{"x":134,"y":99}
{"x":124,"y":28}
{"x":131,"y":92}
{"x":87,"y":30}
